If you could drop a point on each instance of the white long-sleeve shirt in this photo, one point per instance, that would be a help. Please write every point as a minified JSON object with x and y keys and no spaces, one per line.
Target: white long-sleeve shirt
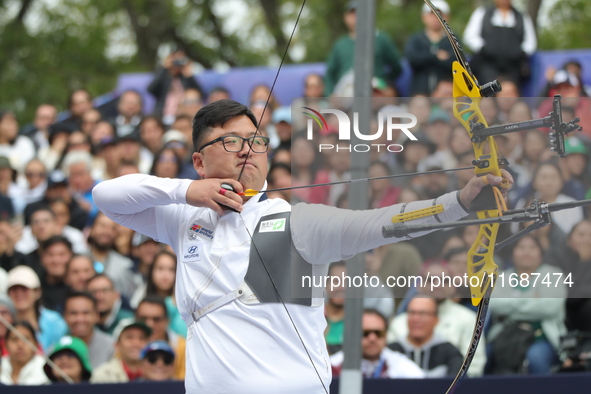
{"x":473,"y":33}
{"x":247,"y":348}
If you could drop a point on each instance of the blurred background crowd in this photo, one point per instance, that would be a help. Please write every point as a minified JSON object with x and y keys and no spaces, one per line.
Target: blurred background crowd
{"x":98,"y":299}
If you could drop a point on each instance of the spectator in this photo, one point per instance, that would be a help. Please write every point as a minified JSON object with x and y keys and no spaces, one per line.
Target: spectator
{"x":502,"y":39}
{"x":176,"y":140}
{"x":436,"y":357}
{"x":192,"y":102}
{"x":279,"y":177}
{"x":157,"y":362}
{"x":574,"y":168}
{"x":340,"y":60}
{"x":305,"y":165}
{"x":108,"y":152}
{"x":144,"y":251}
{"x":109,"y":303}
{"x":17,"y":148}
{"x":152,"y":311}
{"x":61,"y":211}
{"x":107,"y":260}
{"x":9,"y":257}
{"x":57,"y":189}
{"x":527,"y":319}
{"x":81,"y":315}
{"x":282,"y":121}
{"x":414,"y":152}
{"x":127,"y":366}
{"x":429,"y":52}
{"x":171,"y":80}
{"x":103,"y":130}
{"x":79,"y":102}
{"x":218,"y":93}
{"x":55,"y":253}
{"x":8,"y":313}
{"x":45,"y":115}
{"x":9,"y":190}
{"x":78,"y":168}
{"x":130,"y":148}
{"x":184,"y":124}
{"x":79,"y":270}
{"x":22,"y":366}
{"x":71,"y":357}
{"x":33,"y":189}
{"x":91,"y":120}
{"x":167,"y":164}
{"x":382,"y":192}
{"x":129,"y":108}
{"x":378,"y":361}
{"x":24,"y":289}
{"x":438,"y":130}
{"x":151,"y":131}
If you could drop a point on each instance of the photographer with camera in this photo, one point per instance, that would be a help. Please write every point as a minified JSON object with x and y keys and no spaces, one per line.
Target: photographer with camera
{"x":171,"y":80}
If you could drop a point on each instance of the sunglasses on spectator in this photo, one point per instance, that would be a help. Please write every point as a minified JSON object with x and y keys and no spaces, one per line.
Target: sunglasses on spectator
{"x":379,"y":333}
{"x":166,"y":358}
{"x":156,"y":319}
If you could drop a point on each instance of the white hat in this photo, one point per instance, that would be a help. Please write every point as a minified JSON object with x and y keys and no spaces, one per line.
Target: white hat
{"x":173,"y":135}
{"x":441,"y":4}
{"x":22,"y":275}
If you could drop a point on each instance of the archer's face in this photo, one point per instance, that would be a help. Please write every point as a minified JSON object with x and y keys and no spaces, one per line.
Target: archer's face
{"x":215,"y":162}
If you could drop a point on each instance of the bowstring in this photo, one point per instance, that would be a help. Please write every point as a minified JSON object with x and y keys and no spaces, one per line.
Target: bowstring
{"x":250,"y":150}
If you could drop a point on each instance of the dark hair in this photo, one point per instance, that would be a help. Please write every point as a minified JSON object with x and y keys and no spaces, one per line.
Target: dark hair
{"x":154,"y":300}
{"x":97,"y":276}
{"x":454,"y":251}
{"x":80,"y":294}
{"x":160,"y":153}
{"x":217,"y":114}
{"x":76,"y":255}
{"x":151,"y":286}
{"x":71,"y":96}
{"x":183,"y":117}
{"x":27,"y":326}
{"x":372,"y":311}
{"x":56,"y":239}
{"x":42,"y":207}
{"x":155,"y":119}
{"x":277,"y":166}
{"x":136,"y":92}
{"x":435,"y":302}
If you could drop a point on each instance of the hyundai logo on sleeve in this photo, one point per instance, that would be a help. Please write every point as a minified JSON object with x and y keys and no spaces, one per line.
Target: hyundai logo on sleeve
{"x":192,"y":253}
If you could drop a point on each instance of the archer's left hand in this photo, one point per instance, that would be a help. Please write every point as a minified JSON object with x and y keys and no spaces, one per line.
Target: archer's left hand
{"x":475,"y":185}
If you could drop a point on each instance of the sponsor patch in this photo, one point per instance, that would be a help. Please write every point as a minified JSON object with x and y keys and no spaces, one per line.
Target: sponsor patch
{"x":197,"y":229}
{"x":269,"y":226}
{"x":191,"y":252}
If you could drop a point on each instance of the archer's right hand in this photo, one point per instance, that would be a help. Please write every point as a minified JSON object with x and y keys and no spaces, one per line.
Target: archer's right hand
{"x":208,"y":193}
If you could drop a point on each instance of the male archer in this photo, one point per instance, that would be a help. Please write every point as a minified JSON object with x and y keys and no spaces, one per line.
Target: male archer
{"x":246,"y":332}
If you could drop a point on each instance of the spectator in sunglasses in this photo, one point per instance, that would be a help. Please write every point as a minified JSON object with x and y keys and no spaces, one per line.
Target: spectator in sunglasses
{"x":157,"y":362}
{"x":377,"y":360}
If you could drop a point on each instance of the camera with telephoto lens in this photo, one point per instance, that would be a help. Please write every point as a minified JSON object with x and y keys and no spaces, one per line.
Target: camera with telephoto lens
{"x":180,"y":62}
{"x":576,"y":347}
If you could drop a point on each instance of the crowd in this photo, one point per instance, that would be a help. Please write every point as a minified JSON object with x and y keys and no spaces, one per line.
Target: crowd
{"x":89,"y":300}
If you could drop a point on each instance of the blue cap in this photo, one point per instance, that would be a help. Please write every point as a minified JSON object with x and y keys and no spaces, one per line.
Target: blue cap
{"x":156,"y":346}
{"x":439,"y":115}
{"x":282,"y":114}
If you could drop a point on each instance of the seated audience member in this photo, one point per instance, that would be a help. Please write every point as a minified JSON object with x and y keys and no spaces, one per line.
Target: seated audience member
{"x":144,"y":250}
{"x":157,"y":362}
{"x":575,"y":260}
{"x":107,"y":260}
{"x":166,"y":164}
{"x":22,"y":366}
{"x":436,"y":357}
{"x":152,"y":311}
{"x":218,"y":93}
{"x":61,"y":210}
{"x":109,"y":303}
{"x":8,"y":313}
{"x":378,"y":361}
{"x":527,"y":317}
{"x":456,"y":322}
{"x":81,"y":315}
{"x":55,"y":253}
{"x":42,"y":227}
{"x":127,"y":367}
{"x":24,"y":289}
{"x":9,"y":257}
{"x":129,"y":108}
{"x":79,"y":270}
{"x":32,"y":189}
{"x":70,"y":355}
{"x":78,"y":166}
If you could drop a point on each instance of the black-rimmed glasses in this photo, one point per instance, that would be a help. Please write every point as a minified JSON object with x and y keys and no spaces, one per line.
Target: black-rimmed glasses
{"x":234,"y":143}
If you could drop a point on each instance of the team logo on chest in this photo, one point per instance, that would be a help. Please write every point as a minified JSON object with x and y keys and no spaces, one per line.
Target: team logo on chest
{"x":197,"y":229}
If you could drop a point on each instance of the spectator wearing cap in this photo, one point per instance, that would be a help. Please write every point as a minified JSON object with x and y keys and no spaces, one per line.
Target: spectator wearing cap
{"x":340,"y":61}
{"x":502,"y":39}
{"x":157,"y":362}
{"x":70,"y":355}
{"x":19,"y":149}
{"x":8,"y":313}
{"x":282,"y":121}
{"x":79,"y":270}
{"x":129,"y":112}
{"x":55,"y":253}
{"x":127,"y":365}
{"x":9,"y":257}
{"x":57,"y":188}
{"x":177,"y":141}
{"x":78,"y":168}
{"x":22,"y":366}
{"x":24,"y":289}
{"x":429,"y":52}
{"x":107,"y":260}
{"x":81,"y":315}
{"x":108,"y":302}
{"x":152,"y":310}
{"x":574,"y":168}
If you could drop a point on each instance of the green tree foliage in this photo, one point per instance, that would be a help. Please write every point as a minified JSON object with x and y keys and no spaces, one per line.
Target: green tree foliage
{"x":568,"y":26}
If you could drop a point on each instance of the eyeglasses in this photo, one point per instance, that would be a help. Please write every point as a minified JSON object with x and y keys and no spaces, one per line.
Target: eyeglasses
{"x":234,"y":143}
{"x":378,"y":333}
{"x":156,"y":319}
{"x":166,"y":358}
{"x":103,"y":290}
{"x":420,"y":313}
{"x":35,"y":174}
